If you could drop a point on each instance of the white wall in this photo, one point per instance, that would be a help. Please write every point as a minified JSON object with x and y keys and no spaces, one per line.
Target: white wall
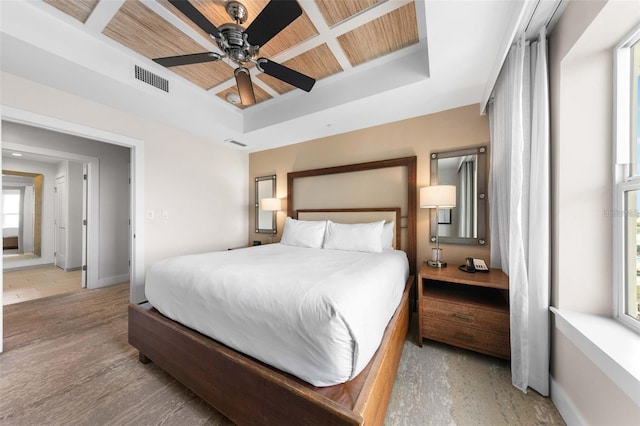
{"x":201,"y":184}
{"x":581,"y":67}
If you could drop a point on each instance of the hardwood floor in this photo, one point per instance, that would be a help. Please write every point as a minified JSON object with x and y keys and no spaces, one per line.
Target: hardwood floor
{"x":67,"y":361}
{"x":34,"y":283}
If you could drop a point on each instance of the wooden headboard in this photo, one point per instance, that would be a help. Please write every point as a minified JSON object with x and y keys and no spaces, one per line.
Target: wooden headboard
{"x":408,"y":165}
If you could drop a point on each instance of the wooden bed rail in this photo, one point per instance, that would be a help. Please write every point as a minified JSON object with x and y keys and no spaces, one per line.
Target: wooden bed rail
{"x":251,"y":393}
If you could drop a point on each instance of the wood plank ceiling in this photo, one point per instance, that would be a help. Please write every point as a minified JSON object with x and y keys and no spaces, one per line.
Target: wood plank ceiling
{"x":318,"y":49}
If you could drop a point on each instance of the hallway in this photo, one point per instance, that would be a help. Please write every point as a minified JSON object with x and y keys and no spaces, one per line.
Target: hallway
{"x":34,"y":283}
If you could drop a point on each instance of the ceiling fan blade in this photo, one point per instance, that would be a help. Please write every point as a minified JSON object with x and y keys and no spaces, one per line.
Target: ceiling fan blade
{"x":245,"y":87}
{"x":286,"y":74}
{"x":194,"y":58}
{"x":196,"y":17}
{"x":275,"y":17}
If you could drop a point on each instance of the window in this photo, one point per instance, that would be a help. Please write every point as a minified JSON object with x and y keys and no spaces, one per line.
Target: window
{"x":11,"y":209}
{"x":627,"y":181}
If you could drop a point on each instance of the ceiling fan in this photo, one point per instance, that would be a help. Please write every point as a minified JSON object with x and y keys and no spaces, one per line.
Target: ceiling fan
{"x":241,"y":45}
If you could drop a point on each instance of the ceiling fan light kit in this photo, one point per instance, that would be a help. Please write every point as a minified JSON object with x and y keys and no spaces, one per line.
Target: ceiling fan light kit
{"x":242,"y":46}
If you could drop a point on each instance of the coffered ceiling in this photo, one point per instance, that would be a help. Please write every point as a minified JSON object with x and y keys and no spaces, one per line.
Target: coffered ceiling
{"x":156,"y":30}
{"x":374,"y":61}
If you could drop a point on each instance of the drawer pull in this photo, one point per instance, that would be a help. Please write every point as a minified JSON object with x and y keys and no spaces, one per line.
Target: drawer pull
{"x":463,"y":336}
{"x":464,"y":316}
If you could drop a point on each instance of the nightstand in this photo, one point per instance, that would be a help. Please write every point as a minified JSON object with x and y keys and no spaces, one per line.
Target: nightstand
{"x":468,"y":310}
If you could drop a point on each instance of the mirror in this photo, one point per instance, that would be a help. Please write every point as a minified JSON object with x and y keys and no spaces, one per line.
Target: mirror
{"x":22,"y":212}
{"x":467,"y":170}
{"x":265,"y":220}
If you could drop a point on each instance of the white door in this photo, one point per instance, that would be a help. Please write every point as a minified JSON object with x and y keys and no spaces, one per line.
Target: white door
{"x":60,"y":221}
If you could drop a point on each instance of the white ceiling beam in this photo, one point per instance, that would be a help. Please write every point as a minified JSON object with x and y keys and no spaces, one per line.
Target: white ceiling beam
{"x":327,"y":35}
{"x":102,"y":14}
{"x":366,"y":16}
{"x":313,"y":12}
{"x":189,"y":31}
{"x":344,"y":27}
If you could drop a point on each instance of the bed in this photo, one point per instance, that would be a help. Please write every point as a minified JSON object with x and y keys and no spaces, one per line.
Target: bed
{"x":250,"y":391}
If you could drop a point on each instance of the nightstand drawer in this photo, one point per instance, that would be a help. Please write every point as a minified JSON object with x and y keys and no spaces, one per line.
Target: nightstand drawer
{"x":465,"y":314}
{"x":487,"y":342}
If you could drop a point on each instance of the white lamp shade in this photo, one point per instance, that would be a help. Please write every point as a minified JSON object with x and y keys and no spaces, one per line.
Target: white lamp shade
{"x":271,"y":204}
{"x":438,"y":196}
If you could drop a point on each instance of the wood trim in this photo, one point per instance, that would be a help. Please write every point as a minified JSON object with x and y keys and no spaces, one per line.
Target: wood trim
{"x":409,"y":162}
{"x":495,"y":278}
{"x":379,"y":386}
{"x":252,"y":393}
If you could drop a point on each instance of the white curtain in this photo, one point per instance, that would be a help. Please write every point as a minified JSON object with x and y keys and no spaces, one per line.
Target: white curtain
{"x":519,"y":196}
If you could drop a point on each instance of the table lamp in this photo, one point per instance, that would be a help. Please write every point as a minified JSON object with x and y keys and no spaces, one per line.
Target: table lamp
{"x":272,"y":205}
{"x":437,"y":197}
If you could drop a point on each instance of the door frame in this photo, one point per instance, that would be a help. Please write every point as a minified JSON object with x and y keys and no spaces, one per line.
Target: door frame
{"x":136,"y":205}
{"x":56,"y":223}
{"x":90,"y":240}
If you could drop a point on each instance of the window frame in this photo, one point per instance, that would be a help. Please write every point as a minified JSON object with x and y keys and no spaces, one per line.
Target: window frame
{"x":624,"y":178}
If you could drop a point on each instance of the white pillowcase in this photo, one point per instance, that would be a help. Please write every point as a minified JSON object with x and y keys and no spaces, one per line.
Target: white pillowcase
{"x":303,"y":233}
{"x":354,"y":236}
{"x":387,"y":234}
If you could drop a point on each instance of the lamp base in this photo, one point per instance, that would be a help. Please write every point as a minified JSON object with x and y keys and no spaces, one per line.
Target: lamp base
{"x":437,"y":263}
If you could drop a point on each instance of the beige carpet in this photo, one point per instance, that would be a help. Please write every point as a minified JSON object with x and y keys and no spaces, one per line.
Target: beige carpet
{"x":67,"y":362}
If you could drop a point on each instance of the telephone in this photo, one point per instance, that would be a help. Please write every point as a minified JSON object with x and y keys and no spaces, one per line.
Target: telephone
{"x":474,"y":265}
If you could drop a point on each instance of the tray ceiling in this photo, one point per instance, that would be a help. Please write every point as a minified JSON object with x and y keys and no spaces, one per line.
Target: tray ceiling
{"x":141,"y":26}
{"x":375,"y":61}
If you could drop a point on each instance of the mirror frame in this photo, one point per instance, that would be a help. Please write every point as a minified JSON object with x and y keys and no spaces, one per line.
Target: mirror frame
{"x":273,"y":229}
{"x":481,"y":152}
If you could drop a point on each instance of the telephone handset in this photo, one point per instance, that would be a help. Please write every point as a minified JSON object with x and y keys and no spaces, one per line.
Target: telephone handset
{"x":472,"y":265}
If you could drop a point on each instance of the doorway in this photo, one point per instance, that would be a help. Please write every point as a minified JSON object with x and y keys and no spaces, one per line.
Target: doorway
{"x":28,"y":197}
{"x":136,"y":205}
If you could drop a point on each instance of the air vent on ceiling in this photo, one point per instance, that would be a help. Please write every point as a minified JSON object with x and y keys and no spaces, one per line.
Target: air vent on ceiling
{"x":151,"y":78}
{"x":236,"y":142}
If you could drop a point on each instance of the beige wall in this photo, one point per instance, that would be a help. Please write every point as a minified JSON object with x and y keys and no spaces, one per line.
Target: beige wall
{"x":598,"y":399}
{"x":457,"y":128}
{"x":202,"y":185}
{"x":581,"y":64}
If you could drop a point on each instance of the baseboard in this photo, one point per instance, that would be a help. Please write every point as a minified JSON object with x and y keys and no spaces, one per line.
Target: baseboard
{"x":565,"y":406}
{"x":75,"y":268}
{"x":114,"y":279}
{"x":28,"y":266}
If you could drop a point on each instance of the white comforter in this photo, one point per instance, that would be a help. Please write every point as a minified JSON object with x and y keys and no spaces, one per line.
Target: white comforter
{"x":318,"y":314}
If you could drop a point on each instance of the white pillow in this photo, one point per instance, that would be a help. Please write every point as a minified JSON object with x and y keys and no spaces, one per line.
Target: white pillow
{"x":387,"y":234}
{"x":303,"y":233}
{"x":354,"y":236}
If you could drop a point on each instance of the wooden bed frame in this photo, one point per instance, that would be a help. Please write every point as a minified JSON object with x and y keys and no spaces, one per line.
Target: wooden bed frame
{"x":250,"y":392}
